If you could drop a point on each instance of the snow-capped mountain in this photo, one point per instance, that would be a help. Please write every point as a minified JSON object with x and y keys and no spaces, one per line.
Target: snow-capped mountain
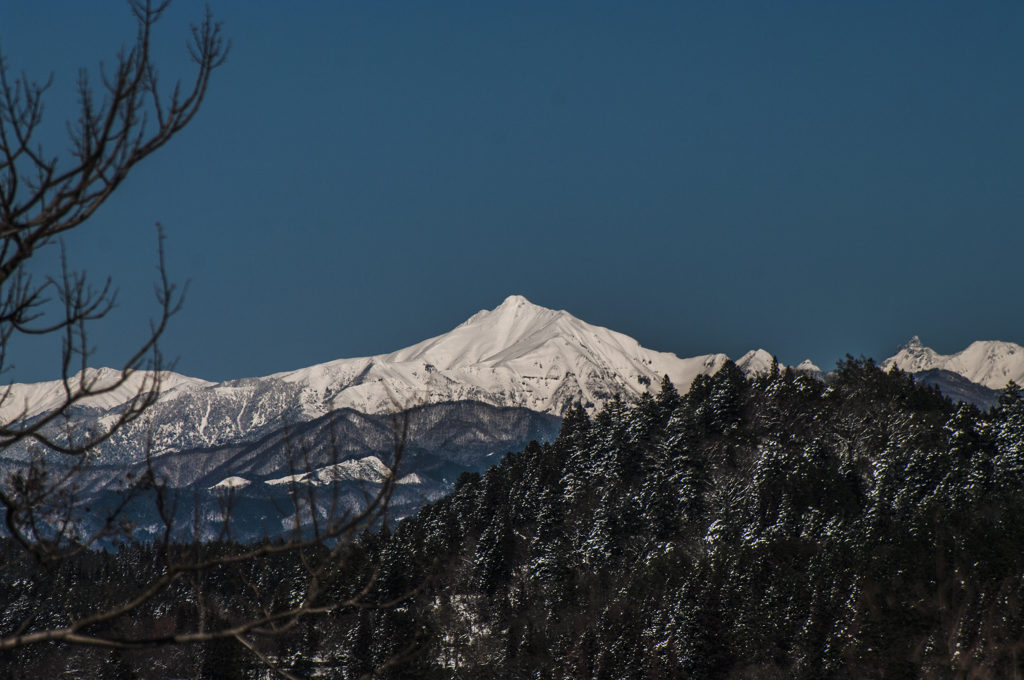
{"x":517,"y":355}
{"x":759,"y":362}
{"x":989,"y":363}
{"x":756,"y":362}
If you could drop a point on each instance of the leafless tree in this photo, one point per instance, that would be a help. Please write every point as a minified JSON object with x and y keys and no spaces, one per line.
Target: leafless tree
{"x":42,"y":196}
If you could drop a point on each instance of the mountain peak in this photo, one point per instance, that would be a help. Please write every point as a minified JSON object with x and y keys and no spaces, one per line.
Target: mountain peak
{"x":989,"y":363}
{"x":515,"y":308}
{"x":807,"y":366}
{"x":756,"y":362}
{"x":517,"y":354}
{"x":515,"y":301}
{"x":915,"y":343}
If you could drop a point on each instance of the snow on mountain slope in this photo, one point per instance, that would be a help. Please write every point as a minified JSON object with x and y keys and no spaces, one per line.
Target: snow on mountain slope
{"x":232,"y":483}
{"x":369,"y":469}
{"x":759,"y":362}
{"x":756,"y":362}
{"x":24,"y":401}
{"x":518,"y":354}
{"x":989,"y":363}
{"x":806,"y":366}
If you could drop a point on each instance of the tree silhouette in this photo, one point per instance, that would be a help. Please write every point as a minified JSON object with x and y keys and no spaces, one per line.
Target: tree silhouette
{"x":273,"y":585}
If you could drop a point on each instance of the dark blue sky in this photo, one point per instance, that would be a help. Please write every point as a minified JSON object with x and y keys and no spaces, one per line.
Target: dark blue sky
{"x":811,"y":178}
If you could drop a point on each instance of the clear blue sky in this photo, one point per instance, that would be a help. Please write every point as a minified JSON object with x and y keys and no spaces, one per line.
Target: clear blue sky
{"x":812,"y":178}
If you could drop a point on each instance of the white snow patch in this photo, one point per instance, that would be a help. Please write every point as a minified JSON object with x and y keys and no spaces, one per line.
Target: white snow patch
{"x":291,"y":479}
{"x":232,"y":483}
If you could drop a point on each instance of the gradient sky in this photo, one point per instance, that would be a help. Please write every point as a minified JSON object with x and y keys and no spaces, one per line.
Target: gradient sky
{"x":811,"y":178}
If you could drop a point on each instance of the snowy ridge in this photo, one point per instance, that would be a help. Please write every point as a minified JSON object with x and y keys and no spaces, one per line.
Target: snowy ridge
{"x":516,"y":355}
{"x":369,"y":469}
{"x":28,"y":400}
{"x":989,"y":363}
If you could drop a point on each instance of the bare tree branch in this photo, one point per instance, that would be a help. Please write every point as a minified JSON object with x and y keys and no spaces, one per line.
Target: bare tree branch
{"x":123,"y":117}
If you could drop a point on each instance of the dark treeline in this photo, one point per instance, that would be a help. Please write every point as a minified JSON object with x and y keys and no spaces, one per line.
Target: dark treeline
{"x":774,"y":528}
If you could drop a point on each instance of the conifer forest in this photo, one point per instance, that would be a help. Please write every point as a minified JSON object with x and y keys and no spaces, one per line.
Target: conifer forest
{"x":774,"y":527}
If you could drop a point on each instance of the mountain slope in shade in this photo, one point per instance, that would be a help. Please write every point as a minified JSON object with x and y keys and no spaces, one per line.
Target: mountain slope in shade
{"x":958,"y":388}
{"x":988,"y":363}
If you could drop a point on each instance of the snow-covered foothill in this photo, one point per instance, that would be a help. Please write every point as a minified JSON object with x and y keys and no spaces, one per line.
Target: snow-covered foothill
{"x":369,"y":469}
{"x":232,"y":483}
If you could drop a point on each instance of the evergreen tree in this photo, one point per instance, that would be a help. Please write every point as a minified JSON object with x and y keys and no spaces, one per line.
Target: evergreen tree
{"x":1010,"y":428}
{"x":668,"y":397}
{"x":575,"y":423}
{"x":115,"y":667}
{"x":495,"y":554}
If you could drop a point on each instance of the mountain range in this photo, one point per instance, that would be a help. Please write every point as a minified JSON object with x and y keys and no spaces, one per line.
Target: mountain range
{"x":518,"y":355}
{"x":499,"y":379}
{"x":990,"y":364}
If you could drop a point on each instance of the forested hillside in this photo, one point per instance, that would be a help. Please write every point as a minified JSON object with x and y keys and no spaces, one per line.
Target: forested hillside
{"x":775,"y":528}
